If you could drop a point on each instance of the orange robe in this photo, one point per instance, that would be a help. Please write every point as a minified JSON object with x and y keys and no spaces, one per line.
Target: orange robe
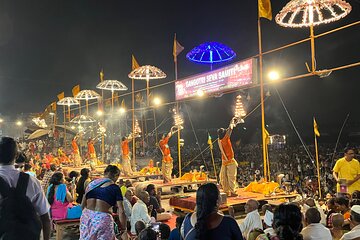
{"x":165,"y":149}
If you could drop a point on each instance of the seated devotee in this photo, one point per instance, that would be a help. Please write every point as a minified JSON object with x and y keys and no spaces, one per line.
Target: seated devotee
{"x":147,"y":234}
{"x":354,"y":223}
{"x":140,"y":211}
{"x":175,"y":233}
{"x":342,"y":205}
{"x":83,"y":182}
{"x":47,"y":176}
{"x":355,"y":194}
{"x":60,"y":199}
{"x":139,"y":226}
{"x":310,"y":202}
{"x":155,"y":200}
{"x":164,"y":231}
{"x":314,"y":229}
{"x":207,"y":222}
{"x":127,"y":204}
{"x":330,"y":204}
{"x":100,"y":196}
{"x":337,"y":226}
{"x":252,"y":219}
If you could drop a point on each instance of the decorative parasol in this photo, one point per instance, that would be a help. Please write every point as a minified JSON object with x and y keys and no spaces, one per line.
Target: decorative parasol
{"x":87,"y":95}
{"x":304,"y":13}
{"x":112,"y":85}
{"x":83,"y":119}
{"x":211,"y":52}
{"x":147,"y":72}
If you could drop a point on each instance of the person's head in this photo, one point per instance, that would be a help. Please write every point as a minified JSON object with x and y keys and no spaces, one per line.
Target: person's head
{"x":27,"y":167}
{"x":349,"y":153}
{"x":112,"y":172}
{"x":355,"y":216}
{"x":164,"y":230}
{"x":151,"y":189}
{"x":144,"y":196}
{"x":85,"y":173}
{"x":337,"y":220}
{"x":123,"y":138}
{"x":288,"y":222}
{"x":312,"y":215}
{"x":179,"y":221}
{"x":321,"y":201}
{"x":266,"y":207}
{"x":8,"y":151}
{"x":354,"y":202}
{"x":147,"y":234}
{"x":251,"y":205}
{"x":129,"y":194}
{"x":355,"y":194}
{"x":121,"y":182}
{"x":342,"y":203}
{"x":128,"y":183}
{"x":221,"y":133}
{"x":74,"y":174}
{"x":330,"y":204}
{"x":21,"y":160}
{"x":310,"y":202}
{"x":139,"y":226}
{"x":53,"y":167}
{"x":207,"y":202}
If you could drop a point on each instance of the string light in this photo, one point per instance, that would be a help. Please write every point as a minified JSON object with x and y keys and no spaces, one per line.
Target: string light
{"x":137,"y":129}
{"x":304,"y":13}
{"x":178,"y":119}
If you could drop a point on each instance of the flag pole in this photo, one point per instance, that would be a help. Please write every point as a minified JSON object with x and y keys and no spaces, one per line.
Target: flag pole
{"x":213,"y":160}
{"x":317,"y":164}
{"x":262,"y":102}
{"x":177,"y":110}
{"x":133,"y":125}
{"x":64,"y":127}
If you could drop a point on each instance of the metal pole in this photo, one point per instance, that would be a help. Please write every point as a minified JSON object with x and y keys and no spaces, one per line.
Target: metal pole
{"x":262,"y":103}
{"x":64,"y":128}
{"x":178,"y":142}
{"x":312,"y":42}
{"x":133,"y":160}
{"x":317,"y":165}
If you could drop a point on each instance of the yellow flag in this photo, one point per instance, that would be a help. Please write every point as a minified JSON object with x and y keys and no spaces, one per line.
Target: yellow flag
{"x":123,"y":103}
{"x":177,"y":48}
{"x":76,"y":90}
{"x":316,"y":130}
{"x":134,"y":63}
{"x":102,"y":75}
{"x":61,"y":96}
{"x":210,"y":142}
{"x":265,"y":9}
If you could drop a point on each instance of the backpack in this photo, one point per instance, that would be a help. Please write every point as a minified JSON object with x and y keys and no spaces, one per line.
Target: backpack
{"x":18,"y":218}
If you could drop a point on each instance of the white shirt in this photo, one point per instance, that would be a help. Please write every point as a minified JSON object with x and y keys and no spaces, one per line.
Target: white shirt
{"x":139,"y":212}
{"x":354,"y":233}
{"x":34,"y":190}
{"x":127,"y":208}
{"x":316,"y":231}
{"x":322,"y":214}
{"x":251,"y":221}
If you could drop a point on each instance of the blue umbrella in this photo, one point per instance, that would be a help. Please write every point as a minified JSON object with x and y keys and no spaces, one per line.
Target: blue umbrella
{"x":211,"y":52}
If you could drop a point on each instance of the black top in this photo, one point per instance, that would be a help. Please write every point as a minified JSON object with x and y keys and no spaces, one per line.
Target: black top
{"x":156,"y":205}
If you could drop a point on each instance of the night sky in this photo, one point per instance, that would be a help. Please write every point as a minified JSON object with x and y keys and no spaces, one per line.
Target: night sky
{"x":47,"y":47}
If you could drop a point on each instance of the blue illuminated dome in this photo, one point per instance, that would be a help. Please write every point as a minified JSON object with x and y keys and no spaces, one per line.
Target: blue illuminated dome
{"x":211,"y":52}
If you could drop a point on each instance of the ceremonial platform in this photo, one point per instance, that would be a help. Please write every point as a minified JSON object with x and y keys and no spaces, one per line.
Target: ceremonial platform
{"x":187,"y":202}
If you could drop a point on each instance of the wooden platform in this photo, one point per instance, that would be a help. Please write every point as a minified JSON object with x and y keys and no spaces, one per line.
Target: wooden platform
{"x":188,"y":203}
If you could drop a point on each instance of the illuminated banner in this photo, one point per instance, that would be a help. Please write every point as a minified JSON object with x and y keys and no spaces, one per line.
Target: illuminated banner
{"x":237,"y":75}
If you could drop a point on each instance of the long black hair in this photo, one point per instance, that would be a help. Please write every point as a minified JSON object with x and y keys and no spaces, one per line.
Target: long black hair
{"x":80,"y":188}
{"x":207,"y":197}
{"x":112,"y":172}
{"x":55,"y":180}
{"x":288,"y":222}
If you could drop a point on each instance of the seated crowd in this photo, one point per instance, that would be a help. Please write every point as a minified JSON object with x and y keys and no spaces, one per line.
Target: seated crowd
{"x":108,"y":209}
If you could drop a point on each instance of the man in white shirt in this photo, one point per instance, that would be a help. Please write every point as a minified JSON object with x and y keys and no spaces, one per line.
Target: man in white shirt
{"x":252,"y":219}
{"x":127,"y":203}
{"x":354,"y":224}
{"x":8,"y":154}
{"x":314,"y":229}
{"x":310,"y":202}
{"x":140,"y":211}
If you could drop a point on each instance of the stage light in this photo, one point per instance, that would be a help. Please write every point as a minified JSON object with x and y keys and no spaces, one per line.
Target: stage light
{"x":1,"y":120}
{"x":99,"y":113}
{"x":200,"y":93}
{"x":274,"y":75}
{"x":157,"y":101}
{"x":122,"y":110}
{"x":19,"y":123}
{"x":72,"y":127}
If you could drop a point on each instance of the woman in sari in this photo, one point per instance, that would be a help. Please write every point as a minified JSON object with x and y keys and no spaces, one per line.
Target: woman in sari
{"x":100,"y":196}
{"x":61,"y":199}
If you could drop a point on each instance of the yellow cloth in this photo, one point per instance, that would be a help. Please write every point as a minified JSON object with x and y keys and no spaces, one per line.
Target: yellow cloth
{"x":348,"y":170}
{"x":264,"y":188}
{"x":123,"y":190}
{"x":192,"y":177}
